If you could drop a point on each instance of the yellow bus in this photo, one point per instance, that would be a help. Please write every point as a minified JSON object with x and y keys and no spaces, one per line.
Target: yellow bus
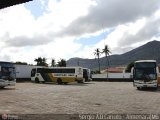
{"x":59,"y":75}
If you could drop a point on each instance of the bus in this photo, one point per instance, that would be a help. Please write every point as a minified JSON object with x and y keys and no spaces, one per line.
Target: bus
{"x":87,"y":74}
{"x":7,"y":74}
{"x":59,"y":75}
{"x":145,"y":74}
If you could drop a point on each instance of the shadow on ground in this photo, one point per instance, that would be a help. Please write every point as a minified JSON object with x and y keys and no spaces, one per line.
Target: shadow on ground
{"x":69,"y":84}
{"x":2,"y":89}
{"x":150,"y":89}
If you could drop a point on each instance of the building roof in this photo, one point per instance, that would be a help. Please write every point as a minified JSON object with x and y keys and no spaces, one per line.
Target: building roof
{"x":114,"y":70}
{"x":8,"y":3}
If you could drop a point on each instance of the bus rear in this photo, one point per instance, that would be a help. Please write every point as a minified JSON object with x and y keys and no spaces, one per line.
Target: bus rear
{"x":145,"y":74}
{"x":7,"y":74}
{"x":87,"y":74}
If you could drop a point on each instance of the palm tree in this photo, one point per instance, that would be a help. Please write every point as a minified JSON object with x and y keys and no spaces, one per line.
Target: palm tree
{"x":41,"y":61}
{"x":44,"y":61}
{"x":106,"y":51}
{"x":38,"y":60}
{"x":62,"y":63}
{"x":53,"y":64}
{"x":97,"y":54}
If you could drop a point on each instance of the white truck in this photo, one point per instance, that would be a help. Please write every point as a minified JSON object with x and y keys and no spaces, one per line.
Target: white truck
{"x":23,"y":72}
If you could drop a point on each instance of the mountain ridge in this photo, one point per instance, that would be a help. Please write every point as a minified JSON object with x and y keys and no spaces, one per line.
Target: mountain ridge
{"x":150,"y":50}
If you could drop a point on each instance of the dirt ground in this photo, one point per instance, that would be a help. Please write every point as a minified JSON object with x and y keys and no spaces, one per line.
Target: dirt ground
{"x":88,"y":98}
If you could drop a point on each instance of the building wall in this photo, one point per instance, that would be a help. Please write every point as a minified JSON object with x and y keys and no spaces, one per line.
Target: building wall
{"x":112,"y":75}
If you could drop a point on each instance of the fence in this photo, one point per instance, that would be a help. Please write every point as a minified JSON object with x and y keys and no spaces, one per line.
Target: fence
{"x":112,"y":77}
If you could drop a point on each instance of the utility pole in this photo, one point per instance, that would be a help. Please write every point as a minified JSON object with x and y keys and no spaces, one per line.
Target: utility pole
{"x":78,"y":62}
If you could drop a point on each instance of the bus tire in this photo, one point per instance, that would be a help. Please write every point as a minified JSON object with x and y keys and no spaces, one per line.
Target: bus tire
{"x":59,"y":81}
{"x":43,"y":82}
{"x":65,"y":83}
{"x":2,"y":87}
{"x":138,"y":88}
{"x":36,"y":80}
{"x":80,"y":81}
{"x":84,"y":80}
{"x":156,"y":88}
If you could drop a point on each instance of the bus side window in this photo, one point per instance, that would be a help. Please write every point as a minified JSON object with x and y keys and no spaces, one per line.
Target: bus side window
{"x":33,"y":72}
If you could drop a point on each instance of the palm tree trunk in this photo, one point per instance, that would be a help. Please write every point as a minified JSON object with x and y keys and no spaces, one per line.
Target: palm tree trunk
{"x":99,"y":65}
{"x":107,"y":62}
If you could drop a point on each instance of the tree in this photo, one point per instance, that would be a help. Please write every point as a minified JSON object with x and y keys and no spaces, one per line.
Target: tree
{"x":62,"y":63}
{"x":41,"y":61}
{"x":38,"y":60}
{"x":106,"y":51}
{"x":53,"y":63}
{"x":97,"y":54}
{"x":129,"y":67}
{"x":21,"y":63}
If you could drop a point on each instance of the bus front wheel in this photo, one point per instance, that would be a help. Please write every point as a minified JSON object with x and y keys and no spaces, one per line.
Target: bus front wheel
{"x":156,"y":88}
{"x":138,"y":88}
{"x":80,"y":81}
{"x":36,"y":80}
{"x":59,"y":81}
{"x":65,"y":83}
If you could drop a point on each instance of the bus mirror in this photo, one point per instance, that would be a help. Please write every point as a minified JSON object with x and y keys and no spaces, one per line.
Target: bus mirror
{"x":133,"y":73}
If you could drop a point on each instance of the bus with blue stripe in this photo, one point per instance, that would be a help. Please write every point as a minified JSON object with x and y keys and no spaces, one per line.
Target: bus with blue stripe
{"x":7,"y":74}
{"x":59,"y":75}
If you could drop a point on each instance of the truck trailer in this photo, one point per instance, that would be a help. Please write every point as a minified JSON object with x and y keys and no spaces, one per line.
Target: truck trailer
{"x":23,"y":72}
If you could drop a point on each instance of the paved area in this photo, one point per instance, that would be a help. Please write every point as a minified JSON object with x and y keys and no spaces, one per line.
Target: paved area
{"x":92,"y":97}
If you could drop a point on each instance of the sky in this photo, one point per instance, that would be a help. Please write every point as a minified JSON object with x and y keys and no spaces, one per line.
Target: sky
{"x":63,"y":29}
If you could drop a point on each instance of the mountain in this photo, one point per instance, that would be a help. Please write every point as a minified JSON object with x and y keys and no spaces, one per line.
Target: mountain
{"x":151,"y":50}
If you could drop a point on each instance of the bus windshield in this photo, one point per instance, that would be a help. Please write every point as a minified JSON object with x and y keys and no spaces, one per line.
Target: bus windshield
{"x":7,"y":73}
{"x":145,"y":70}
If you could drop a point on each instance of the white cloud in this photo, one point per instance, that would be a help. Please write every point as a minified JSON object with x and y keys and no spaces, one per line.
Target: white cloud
{"x":128,"y":36}
{"x":61,"y":14}
{"x":16,"y":21}
{"x":52,"y":35}
{"x":111,"y":13}
{"x":24,"y":38}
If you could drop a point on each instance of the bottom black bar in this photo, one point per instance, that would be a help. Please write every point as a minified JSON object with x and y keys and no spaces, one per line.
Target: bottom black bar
{"x":80,"y":117}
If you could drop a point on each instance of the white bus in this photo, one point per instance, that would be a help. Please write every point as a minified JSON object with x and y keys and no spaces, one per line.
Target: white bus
{"x":60,"y":75}
{"x":7,"y":74}
{"x":145,"y":74}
